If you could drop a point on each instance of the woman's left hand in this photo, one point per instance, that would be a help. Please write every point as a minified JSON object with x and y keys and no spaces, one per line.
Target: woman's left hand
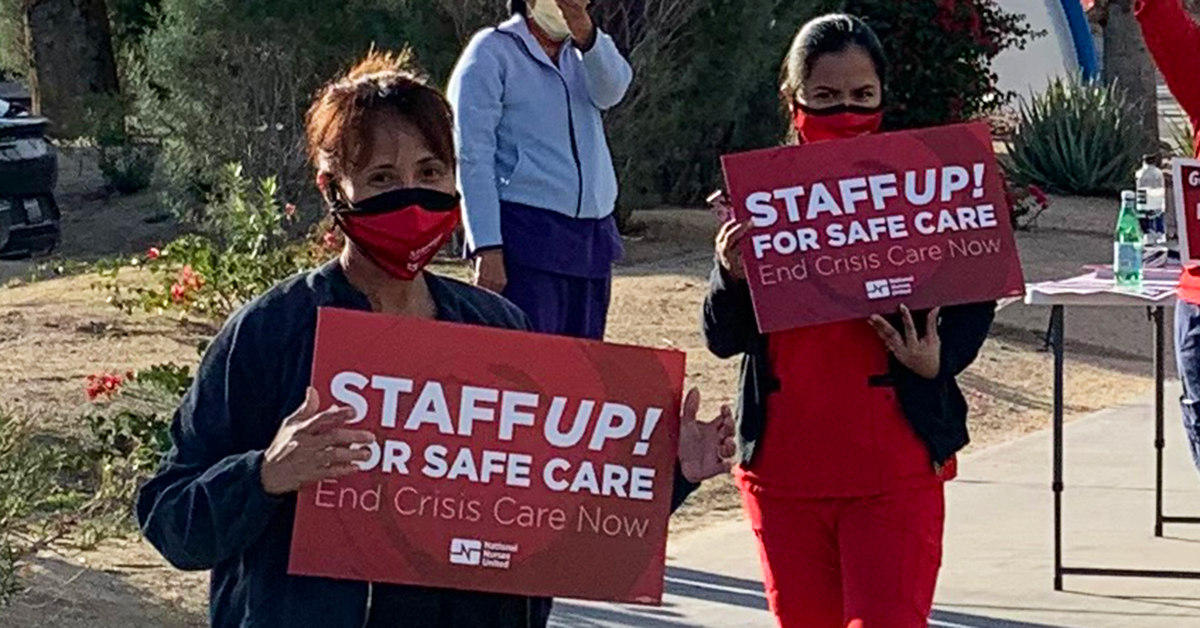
{"x":705,"y":448}
{"x":922,"y":356}
{"x":583,"y":30}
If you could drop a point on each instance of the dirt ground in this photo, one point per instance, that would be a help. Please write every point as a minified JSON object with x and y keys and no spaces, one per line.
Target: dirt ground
{"x":55,"y":332}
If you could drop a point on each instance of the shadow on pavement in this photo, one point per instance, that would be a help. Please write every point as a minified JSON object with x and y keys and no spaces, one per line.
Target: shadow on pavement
{"x":946,"y":619}
{"x":691,"y":584}
{"x":572,"y":615}
{"x":700,"y":585}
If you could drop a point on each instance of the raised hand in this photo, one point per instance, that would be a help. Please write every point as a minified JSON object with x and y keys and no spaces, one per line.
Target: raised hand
{"x":729,"y":252}
{"x":312,"y":446}
{"x":922,"y":356}
{"x":583,"y":29}
{"x":705,"y":449}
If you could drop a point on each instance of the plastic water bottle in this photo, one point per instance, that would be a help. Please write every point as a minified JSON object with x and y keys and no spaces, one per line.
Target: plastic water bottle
{"x":1152,"y":201}
{"x":1127,"y":244}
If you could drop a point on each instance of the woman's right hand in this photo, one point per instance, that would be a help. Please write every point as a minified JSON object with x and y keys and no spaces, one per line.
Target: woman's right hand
{"x":729,"y":252}
{"x":489,"y":270}
{"x":312,"y":446}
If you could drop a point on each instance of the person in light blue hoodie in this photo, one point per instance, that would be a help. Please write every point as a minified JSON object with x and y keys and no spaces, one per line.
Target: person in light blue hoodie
{"x":536,"y":174}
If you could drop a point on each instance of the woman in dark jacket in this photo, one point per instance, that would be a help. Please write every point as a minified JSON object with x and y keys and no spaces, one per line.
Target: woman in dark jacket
{"x":847,"y":430}
{"x":250,"y":432}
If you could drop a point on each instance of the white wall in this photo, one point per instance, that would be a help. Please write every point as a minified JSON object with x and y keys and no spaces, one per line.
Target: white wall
{"x":1047,"y":57}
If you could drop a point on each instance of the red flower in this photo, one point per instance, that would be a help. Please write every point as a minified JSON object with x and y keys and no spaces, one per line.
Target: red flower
{"x":331,"y":241}
{"x":1038,"y":194}
{"x":153,"y":254}
{"x":103,"y":386}
{"x":178,"y":293}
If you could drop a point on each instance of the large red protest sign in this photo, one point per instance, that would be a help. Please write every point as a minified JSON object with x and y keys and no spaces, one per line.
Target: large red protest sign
{"x":1187,"y":207}
{"x":844,"y":229}
{"x":505,"y":462}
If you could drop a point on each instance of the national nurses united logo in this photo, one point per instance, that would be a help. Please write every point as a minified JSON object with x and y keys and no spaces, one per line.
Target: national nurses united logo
{"x":475,"y":553}
{"x":890,"y":288}
{"x":466,"y":552}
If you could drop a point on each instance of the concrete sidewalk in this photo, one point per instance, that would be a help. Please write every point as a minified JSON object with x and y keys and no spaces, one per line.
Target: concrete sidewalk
{"x":999,"y":553}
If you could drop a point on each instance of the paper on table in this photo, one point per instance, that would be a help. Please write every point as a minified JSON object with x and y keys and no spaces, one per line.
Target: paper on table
{"x":1169,"y":273}
{"x":1092,"y":289}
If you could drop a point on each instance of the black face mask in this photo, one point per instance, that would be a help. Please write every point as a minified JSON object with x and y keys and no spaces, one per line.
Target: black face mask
{"x":839,"y":109}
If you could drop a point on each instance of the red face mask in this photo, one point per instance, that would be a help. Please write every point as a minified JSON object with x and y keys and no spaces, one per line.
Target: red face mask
{"x":401,"y":231}
{"x":836,"y":123}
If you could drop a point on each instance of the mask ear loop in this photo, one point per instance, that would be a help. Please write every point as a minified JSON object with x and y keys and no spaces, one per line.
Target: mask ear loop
{"x":331,"y":193}
{"x":337,"y":201}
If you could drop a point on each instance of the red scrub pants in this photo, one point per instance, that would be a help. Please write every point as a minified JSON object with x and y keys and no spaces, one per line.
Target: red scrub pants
{"x":871,"y":561}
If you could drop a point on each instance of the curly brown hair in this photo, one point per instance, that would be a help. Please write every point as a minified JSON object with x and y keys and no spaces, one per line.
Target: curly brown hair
{"x":345,"y":108}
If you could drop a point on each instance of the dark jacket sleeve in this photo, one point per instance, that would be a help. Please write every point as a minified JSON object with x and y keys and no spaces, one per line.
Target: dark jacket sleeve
{"x":206,"y":504}
{"x":682,"y":489}
{"x":729,"y":324}
{"x":963,"y":330}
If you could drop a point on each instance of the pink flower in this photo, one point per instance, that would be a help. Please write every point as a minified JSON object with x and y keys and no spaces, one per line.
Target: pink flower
{"x":178,"y":293}
{"x":331,"y":241}
{"x":289,"y":210}
{"x":153,"y":254}
{"x":190,"y":279}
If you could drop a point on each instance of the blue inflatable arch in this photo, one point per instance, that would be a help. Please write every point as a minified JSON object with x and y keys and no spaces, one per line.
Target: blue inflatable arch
{"x":1081,"y":35}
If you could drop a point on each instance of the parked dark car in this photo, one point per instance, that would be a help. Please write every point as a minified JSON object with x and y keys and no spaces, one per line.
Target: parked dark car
{"x":29,"y":216}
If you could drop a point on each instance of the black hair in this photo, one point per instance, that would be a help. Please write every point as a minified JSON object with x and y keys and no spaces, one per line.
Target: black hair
{"x":828,"y":34}
{"x":518,"y":6}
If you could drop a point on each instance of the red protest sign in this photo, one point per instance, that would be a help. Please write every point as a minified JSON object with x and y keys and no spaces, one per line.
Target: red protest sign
{"x":844,"y":229}
{"x":505,"y":462}
{"x":1187,"y":207}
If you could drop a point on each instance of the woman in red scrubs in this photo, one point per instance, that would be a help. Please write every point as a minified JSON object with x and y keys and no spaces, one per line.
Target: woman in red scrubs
{"x":847,"y":430}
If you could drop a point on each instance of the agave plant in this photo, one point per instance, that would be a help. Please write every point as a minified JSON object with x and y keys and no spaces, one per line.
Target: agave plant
{"x":1077,"y":137}
{"x":1183,"y":139}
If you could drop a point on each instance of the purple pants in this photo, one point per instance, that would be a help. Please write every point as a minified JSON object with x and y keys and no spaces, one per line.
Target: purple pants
{"x":560,"y":304}
{"x":559,"y":269}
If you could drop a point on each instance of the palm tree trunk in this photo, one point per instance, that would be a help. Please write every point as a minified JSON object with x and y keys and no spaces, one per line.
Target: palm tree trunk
{"x":1128,"y":63}
{"x":71,"y":52}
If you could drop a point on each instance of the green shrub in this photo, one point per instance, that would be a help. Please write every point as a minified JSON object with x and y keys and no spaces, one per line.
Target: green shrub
{"x":713,"y":91}
{"x":36,"y":501}
{"x":1076,"y":138}
{"x":129,"y":425}
{"x":14,"y":57}
{"x":716,"y":91}
{"x":940,"y":54}
{"x":223,"y":81}
{"x":132,"y":421}
{"x":126,"y":163}
{"x":242,"y":249}
{"x":229,"y":81}
{"x":76,"y":489}
{"x":128,"y":168}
